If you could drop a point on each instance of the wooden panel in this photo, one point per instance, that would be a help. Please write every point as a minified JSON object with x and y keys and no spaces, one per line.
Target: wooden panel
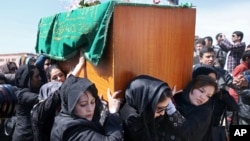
{"x":155,"y":41}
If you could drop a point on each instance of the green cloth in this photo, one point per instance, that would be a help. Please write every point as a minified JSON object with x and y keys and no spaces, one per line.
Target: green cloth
{"x":60,"y":36}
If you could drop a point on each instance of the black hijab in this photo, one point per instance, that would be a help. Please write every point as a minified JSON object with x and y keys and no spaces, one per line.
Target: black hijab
{"x":143,"y":94}
{"x":23,"y":77}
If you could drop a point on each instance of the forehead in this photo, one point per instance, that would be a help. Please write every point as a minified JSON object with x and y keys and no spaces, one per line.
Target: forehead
{"x":208,"y":54}
{"x":85,"y":96}
{"x":55,"y":71}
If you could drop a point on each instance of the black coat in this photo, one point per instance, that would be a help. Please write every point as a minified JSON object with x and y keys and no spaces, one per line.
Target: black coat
{"x":27,"y":97}
{"x":66,"y":128}
{"x":26,"y":101}
{"x":244,"y":106}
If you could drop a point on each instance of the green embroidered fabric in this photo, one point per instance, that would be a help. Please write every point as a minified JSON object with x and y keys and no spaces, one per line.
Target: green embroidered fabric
{"x":60,"y":36}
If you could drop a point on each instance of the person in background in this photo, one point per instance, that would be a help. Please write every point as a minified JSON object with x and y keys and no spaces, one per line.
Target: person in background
{"x":221,"y":54}
{"x":207,"y":57}
{"x":244,"y":102}
{"x":234,"y":50}
{"x":9,"y":69}
{"x":79,"y":118}
{"x":72,"y":66}
{"x":43,"y":63}
{"x":148,"y":111}
{"x":199,"y":44}
{"x":239,"y":69}
{"x":27,"y":60}
{"x":28,"y":82}
{"x":56,"y":73}
{"x":248,"y":47}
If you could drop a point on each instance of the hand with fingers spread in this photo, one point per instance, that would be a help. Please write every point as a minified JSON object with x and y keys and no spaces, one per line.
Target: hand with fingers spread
{"x":114,"y":101}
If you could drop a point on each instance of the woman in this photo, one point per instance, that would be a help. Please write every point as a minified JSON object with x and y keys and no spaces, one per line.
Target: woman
{"x":79,"y":118}
{"x":194,"y":104}
{"x":28,"y":82}
{"x":56,"y":73}
{"x":43,"y":63}
{"x":148,"y":110}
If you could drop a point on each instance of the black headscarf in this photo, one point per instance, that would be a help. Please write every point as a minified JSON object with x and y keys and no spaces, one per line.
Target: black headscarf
{"x":203,"y":70}
{"x":72,"y":89}
{"x":144,"y":92}
{"x":23,"y":76}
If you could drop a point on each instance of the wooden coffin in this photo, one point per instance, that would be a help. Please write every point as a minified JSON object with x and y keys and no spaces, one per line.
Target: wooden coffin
{"x":153,"y":40}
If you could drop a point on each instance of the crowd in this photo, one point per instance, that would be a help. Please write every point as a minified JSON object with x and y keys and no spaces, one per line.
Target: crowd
{"x":54,"y":103}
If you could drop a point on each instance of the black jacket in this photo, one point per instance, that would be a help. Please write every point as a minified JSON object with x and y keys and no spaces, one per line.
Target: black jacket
{"x":27,"y":97}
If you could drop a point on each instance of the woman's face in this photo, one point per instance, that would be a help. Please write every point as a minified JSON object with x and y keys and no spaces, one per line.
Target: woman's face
{"x":36,"y":79}
{"x":161,"y":107}
{"x":85,"y":106}
{"x":46,"y":64}
{"x":201,"y":95}
{"x":57,"y":75}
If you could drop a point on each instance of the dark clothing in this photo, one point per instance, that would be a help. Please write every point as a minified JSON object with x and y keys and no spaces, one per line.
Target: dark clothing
{"x":244,"y":107}
{"x":70,"y":127}
{"x":142,"y":96}
{"x":197,"y":126}
{"x":220,"y":57}
{"x":135,"y":128}
{"x":224,"y":79}
{"x":222,"y":100}
{"x":48,"y":89}
{"x":3,"y":137}
{"x":27,"y":98}
{"x":26,"y":101}
{"x":40,"y":65}
{"x":43,"y":115}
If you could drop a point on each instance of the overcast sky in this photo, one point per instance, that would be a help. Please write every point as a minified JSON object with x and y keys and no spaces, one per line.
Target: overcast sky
{"x":19,"y":20}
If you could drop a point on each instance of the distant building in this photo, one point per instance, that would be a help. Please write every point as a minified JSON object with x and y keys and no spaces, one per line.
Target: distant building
{"x":15,"y":57}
